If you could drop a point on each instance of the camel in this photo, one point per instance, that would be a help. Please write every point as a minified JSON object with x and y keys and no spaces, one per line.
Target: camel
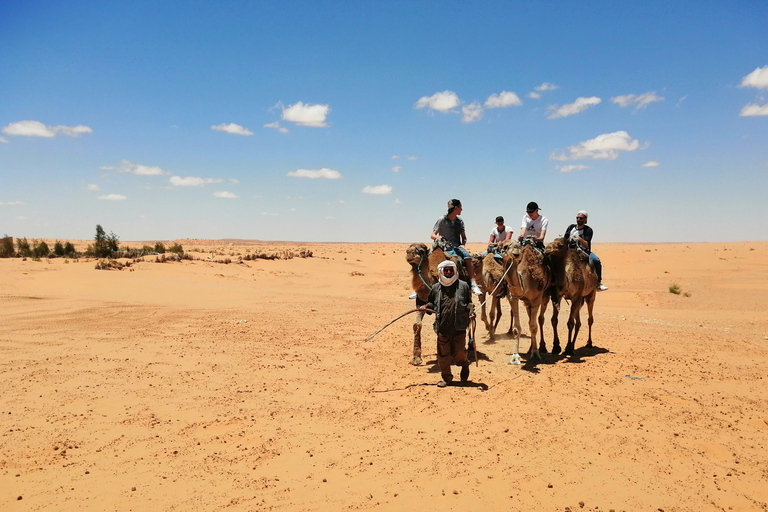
{"x":423,"y":276}
{"x":575,"y":280}
{"x":492,"y":272}
{"x":528,"y":279}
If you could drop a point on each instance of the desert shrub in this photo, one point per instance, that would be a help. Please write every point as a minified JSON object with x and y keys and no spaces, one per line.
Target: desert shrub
{"x":160,"y":247}
{"x":176,"y":248}
{"x":674,"y":288}
{"x":41,"y":250}
{"x":103,"y":245}
{"x":6,"y":247}
{"x":69,"y":249}
{"x":58,"y":249}
{"x":22,"y":245}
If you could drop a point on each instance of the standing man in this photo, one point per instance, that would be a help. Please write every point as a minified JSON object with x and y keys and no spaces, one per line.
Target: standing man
{"x":500,"y":232}
{"x":449,"y":298}
{"x":451,"y":228}
{"x":582,"y":235}
{"x":534,"y":225}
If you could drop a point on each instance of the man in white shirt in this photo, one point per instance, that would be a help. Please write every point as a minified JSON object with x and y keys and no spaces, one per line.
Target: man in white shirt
{"x":500,"y":232}
{"x":534,"y":225}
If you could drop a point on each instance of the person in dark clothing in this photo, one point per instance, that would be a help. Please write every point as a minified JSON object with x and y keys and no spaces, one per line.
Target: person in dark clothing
{"x":451,"y":300}
{"x":581,"y":234}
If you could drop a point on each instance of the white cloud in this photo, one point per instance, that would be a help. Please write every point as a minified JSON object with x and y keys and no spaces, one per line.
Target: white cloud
{"x":395,"y":157}
{"x":234,"y":129}
{"x":138,"y":169}
{"x":652,"y":163}
{"x":234,"y":180}
{"x":471,"y":113}
{"x":534,"y":95}
{"x":307,"y":115}
{"x":113,"y":197}
{"x":754,"y":109}
{"x":378,"y":189}
{"x":444,"y":101}
{"x":602,"y":147}
{"x":192,"y":181}
{"x":93,"y":187}
{"x":225,"y":195}
{"x":11,"y":203}
{"x":758,"y":78}
{"x":502,"y":100}
{"x":546,"y":86}
{"x":396,"y":168}
{"x":569,"y":168}
{"x":38,"y":129}
{"x":580,"y":105}
{"x":412,"y":158}
{"x":328,"y":174}
{"x":276,"y":126}
{"x":638,"y":100}
{"x":3,"y":140}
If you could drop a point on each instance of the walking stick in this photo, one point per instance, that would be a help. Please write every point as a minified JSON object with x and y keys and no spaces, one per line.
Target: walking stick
{"x":472,"y":327}
{"x":395,"y":320}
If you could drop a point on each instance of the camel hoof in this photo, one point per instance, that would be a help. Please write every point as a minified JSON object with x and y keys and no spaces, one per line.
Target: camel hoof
{"x":556,"y":349}
{"x":515,"y":359}
{"x":543,"y":349}
{"x":589,"y":344}
{"x":416,"y":361}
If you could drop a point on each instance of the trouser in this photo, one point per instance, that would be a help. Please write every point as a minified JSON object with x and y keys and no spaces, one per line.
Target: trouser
{"x":597,"y":266}
{"x":451,"y":350}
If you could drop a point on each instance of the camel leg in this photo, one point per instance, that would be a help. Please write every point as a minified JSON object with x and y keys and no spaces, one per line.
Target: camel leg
{"x":555,"y":317}
{"x":416,"y":361}
{"x":590,"y":300}
{"x":574,"y":323}
{"x":514,"y":312}
{"x":542,"y":310}
{"x":495,"y":313}
{"x":532,"y":325}
{"x":516,"y":355}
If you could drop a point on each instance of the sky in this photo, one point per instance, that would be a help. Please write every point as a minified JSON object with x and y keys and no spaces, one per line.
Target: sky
{"x":345,"y":121}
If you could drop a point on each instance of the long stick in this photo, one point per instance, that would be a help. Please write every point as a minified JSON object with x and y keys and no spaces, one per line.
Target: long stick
{"x":395,"y":320}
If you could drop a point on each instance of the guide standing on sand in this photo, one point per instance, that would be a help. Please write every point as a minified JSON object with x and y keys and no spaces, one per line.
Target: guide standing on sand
{"x":452,"y":303}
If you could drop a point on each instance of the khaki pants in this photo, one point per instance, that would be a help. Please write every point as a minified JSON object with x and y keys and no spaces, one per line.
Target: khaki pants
{"x":451,"y":350}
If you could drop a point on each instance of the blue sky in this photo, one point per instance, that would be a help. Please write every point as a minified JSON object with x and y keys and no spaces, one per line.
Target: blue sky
{"x":358,"y":121}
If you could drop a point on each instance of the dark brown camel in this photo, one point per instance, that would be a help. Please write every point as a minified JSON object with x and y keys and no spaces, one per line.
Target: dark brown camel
{"x":574,"y":280}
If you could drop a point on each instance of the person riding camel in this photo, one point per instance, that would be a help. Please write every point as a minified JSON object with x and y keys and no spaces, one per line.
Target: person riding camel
{"x":581,"y":234}
{"x":451,"y":228}
{"x":534,"y":226}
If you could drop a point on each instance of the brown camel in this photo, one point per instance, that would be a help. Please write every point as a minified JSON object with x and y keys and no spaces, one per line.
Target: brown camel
{"x":423,"y":276}
{"x":493,"y":284}
{"x":574,"y":280}
{"x":528,"y":279}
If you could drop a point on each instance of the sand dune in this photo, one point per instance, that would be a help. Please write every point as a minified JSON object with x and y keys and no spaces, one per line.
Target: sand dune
{"x":198,"y":385}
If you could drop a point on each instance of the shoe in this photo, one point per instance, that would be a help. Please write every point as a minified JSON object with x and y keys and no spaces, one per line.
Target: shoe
{"x":601,"y":287}
{"x":476,"y":290}
{"x":412,"y":296}
{"x":464,"y":373}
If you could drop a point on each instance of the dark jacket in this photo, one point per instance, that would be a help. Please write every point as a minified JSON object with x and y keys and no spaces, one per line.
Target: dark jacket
{"x":463,"y":303}
{"x":586,"y":235}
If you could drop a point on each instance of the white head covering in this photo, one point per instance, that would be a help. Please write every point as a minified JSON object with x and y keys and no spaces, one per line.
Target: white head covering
{"x":584,"y":213}
{"x":447,"y":281}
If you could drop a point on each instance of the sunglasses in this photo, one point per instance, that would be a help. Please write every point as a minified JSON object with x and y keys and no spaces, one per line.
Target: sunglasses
{"x":580,"y":218}
{"x":530,"y":211}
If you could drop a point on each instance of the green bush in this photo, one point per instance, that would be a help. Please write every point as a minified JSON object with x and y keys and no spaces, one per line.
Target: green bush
{"x":41,"y":250}
{"x":674,"y":288}
{"x":176,"y":248}
{"x":25,"y":251}
{"x":69,"y":249}
{"x":6,"y":247}
{"x":160,"y":247}
{"x":58,"y":249}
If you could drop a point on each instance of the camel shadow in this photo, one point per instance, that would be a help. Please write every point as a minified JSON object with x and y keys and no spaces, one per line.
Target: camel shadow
{"x":580,"y":354}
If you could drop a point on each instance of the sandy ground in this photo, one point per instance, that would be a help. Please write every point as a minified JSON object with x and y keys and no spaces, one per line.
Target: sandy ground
{"x":205,"y":386}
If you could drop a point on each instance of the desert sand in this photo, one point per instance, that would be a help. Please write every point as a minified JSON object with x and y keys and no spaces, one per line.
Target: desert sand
{"x":197,"y":385}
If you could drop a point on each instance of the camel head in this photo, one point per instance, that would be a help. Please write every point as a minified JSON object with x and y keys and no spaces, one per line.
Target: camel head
{"x":416,"y":253}
{"x":557,"y":247}
{"x":510,"y":250}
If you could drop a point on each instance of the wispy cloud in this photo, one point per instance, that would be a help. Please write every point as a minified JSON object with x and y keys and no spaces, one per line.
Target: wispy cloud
{"x":471,"y":113}
{"x":112,"y":197}
{"x":580,"y":105}
{"x":637,"y":100}
{"x":533,"y":95}
{"x":502,"y":100}
{"x":546,"y":86}
{"x":11,"y":203}
{"x":138,"y":169}
{"x":378,"y":189}
{"x":753,"y":109}
{"x":652,"y":163}
{"x":234,"y":180}
{"x":192,"y":181}
{"x":223,"y":194}
{"x":569,"y":168}
{"x":307,"y":115}
{"x":38,"y":129}
{"x":3,"y":140}
{"x":445,"y":101}
{"x":234,"y":129}
{"x":396,"y":168}
{"x":758,"y":78}
{"x":324,"y":173}
{"x":602,"y":147}
{"x":93,"y":187}
{"x":276,"y":126}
